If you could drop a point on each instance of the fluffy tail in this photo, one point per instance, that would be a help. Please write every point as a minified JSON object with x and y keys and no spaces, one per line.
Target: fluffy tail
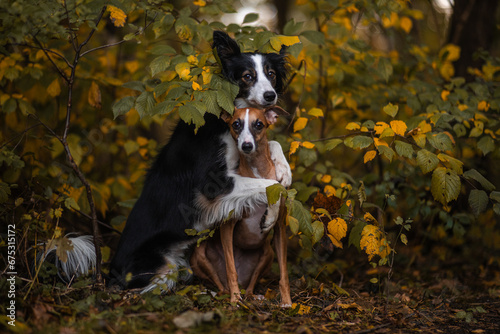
{"x":71,"y":262}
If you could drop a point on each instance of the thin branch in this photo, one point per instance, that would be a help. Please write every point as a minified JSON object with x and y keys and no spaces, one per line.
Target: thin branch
{"x":74,"y":37}
{"x":61,"y":73}
{"x":138,"y":32}
{"x":44,"y":49}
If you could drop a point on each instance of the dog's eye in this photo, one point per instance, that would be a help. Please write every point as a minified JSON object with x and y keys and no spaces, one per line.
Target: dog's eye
{"x":248,"y":77}
{"x":236,"y":125}
{"x":271,"y":74}
{"x":259,"y":125}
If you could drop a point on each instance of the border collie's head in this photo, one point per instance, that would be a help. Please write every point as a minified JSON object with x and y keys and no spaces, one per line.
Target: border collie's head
{"x":260,"y":76}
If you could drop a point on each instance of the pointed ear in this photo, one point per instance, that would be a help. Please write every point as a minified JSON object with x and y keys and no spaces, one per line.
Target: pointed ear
{"x":224,"y":45}
{"x":272,"y":114}
{"x":226,"y":117}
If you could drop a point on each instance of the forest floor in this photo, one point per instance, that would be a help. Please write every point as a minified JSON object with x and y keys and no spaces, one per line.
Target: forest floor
{"x":424,"y":296}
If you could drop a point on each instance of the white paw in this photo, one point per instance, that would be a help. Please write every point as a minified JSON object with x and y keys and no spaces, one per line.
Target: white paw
{"x":283,"y":171}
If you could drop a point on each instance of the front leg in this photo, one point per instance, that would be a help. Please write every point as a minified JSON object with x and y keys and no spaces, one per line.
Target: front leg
{"x":226,"y":235}
{"x":281,"y":255}
{"x":283,"y":171}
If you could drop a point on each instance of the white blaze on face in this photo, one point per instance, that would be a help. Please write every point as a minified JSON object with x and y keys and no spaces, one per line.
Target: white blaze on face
{"x":261,"y":85}
{"x":246,"y":135}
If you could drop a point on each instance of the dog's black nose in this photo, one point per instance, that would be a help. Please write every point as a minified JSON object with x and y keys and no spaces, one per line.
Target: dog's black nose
{"x":247,"y":147}
{"x":269,"y":96}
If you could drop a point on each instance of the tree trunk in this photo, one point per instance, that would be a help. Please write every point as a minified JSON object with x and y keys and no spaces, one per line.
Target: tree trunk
{"x":472,"y":27}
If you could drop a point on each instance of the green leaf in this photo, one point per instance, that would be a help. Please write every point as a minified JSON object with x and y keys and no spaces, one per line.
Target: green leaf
{"x":318,"y":230}
{"x":210,"y":100}
{"x":164,"y":107}
{"x":384,"y":69}
{"x":478,"y":201}
{"x":460,"y":130}
{"x":355,"y":235}
{"x":455,"y":164}
{"x":162,"y":49}
{"x":70,"y":203}
{"x":427,"y":161}
{"x":486,"y":145}
{"x":251,"y":17}
{"x":473,"y":174}
{"x":189,"y":114}
{"x":332,"y":143}
{"x":360,"y":142}
{"x":123,"y":106}
{"x":391,"y":109}
{"x":440,"y":141}
{"x":293,"y":223}
{"x":275,"y":192}
{"x":386,"y":152}
{"x":303,"y":216}
{"x":4,"y":192}
{"x":445,"y":185}
{"x":404,"y":149}
{"x":225,"y":100}
{"x":135,"y":85}
{"x":144,"y":103}
{"x":495,"y":196}
{"x":314,"y":36}
{"x":159,"y":64}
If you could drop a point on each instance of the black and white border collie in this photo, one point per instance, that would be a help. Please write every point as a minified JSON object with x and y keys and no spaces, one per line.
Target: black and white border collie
{"x":193,"y":184}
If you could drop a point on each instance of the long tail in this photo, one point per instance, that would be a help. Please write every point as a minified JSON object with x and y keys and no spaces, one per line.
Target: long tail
{"x":79,"y":261}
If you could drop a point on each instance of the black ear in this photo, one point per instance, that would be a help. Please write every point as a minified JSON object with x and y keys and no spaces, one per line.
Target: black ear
{"x":225,"y":46}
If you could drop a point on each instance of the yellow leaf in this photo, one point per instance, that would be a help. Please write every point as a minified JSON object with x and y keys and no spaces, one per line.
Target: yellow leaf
{"x":406,"y":24}
{"x":54,"y":88}
{"x":369,"y":218}
{"x":444,"y":94}
{"x":447,"y":70}
{"x":388,"y":22}
{"x":308,"y":144}
{"x":192,"y":60}
{"x":196,"y":86}
{"x":335,"y":242}
{"x":303,"y":309}
{"x":94,"y":96}
{"x":379,"y":142}
{"x":293,"y":147}
{"x":316,"y":112}
{"x":483,"y":105}
{"x":132,"y":66}
{"x":326,"y":178}
{"x":299,"y":124}
{"x":380,"y":127}
{"x":183,"y":70}
{"x":420,"y":139}
{"x":399,"y":127}
{"x":353,"y":126}
{"x":278,"y":41}
{"x":370,"y":240}
{"x":118,"y":17}
{"x":206,"y":75}
{"x":424,"y":127}
{"x":450,"y":53}
{"x":200,"y":3}
{"x":370,"y":155}
{"x":329,"y":190}
{"x":142,"y":141}
{"x":337,"y":227}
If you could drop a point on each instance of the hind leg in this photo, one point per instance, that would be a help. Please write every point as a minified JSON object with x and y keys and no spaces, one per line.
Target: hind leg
{"x":203,"y":268}
{"x":263,"y":266}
